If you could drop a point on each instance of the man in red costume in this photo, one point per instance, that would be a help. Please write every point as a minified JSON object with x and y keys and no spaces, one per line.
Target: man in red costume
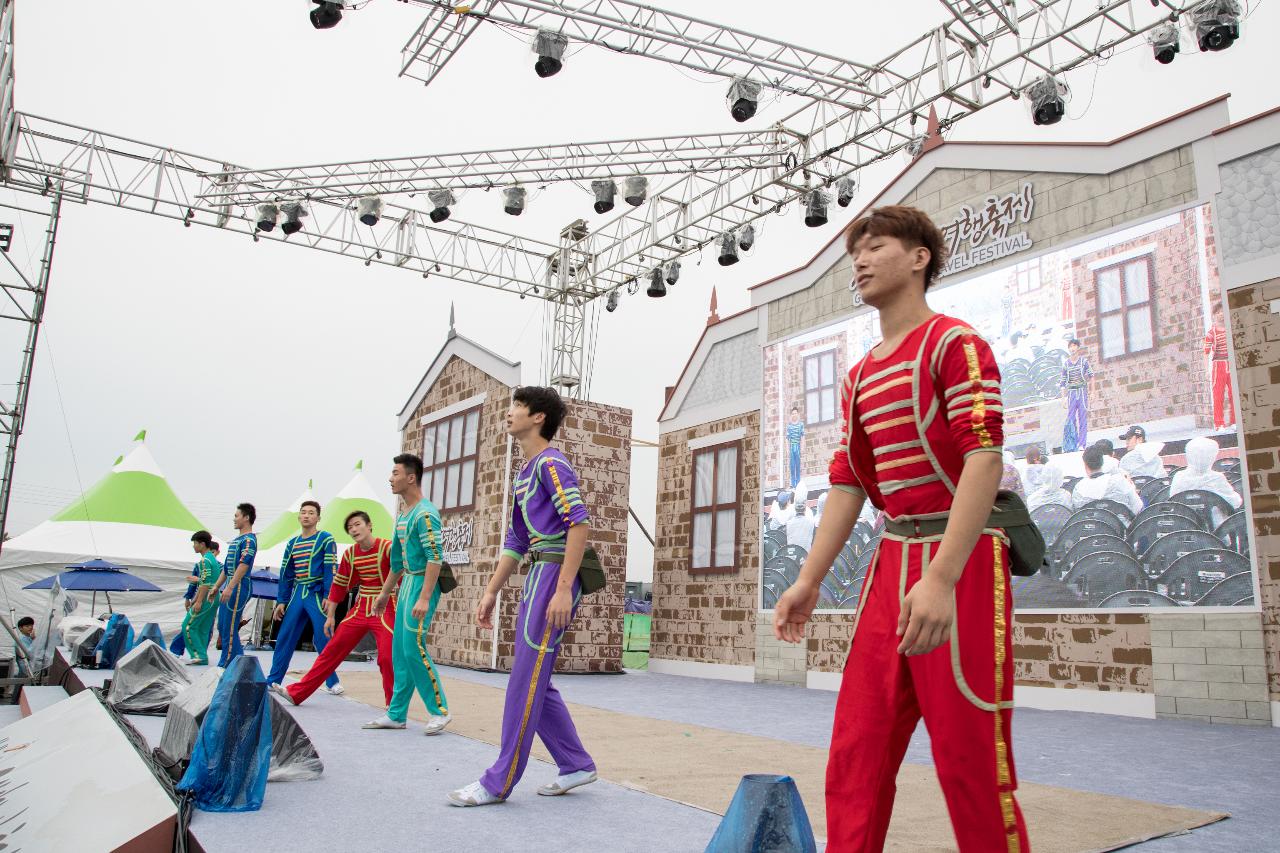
{"x":364,"y":567}
{"x":1215,"y":346}
{"x":922,"y":441}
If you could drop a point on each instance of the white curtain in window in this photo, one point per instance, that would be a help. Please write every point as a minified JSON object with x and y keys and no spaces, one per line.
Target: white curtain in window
{"x":467,"y":489}
{"x":429,"y":446}
{"x":726,"y":523}
{"x":727,"y":475}
{"x":702,"y":540}
{"x":703,"y":467}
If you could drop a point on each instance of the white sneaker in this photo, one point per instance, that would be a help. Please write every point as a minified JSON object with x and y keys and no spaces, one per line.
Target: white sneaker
{"x":435,"y":725}
{"x":567,"y":782}
{"x":473,"y":795}
{"x":279,"y":690}
{"x":383,"y":722}
{"x":194,"y":662}
{"x":336,"y":690}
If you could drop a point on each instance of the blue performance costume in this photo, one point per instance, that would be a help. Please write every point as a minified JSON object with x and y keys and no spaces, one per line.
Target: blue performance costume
{"x":242,"y":549}
{"x":305,"y":576}
{"x":795,"y":436}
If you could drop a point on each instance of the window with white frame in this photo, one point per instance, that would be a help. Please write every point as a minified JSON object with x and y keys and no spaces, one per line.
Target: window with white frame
{"x":1126,"y":309}
{"x":450,"y":450}
{"x":820,"y":387}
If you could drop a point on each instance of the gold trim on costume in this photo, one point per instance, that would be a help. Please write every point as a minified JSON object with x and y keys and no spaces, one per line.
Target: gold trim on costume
{"x":898,"y":463}
{"x":1004,"y":778}
{"x":978,"y":418}
{"x":908,"y":419}
{"x":528,"y":708}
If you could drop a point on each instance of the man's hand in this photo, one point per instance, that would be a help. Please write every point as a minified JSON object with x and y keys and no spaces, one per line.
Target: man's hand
{"x":420,"y":608}
{"x":380,"y":603}
{"x":186,"y":602}
{"x":328,"y":626}
{"x":195,"y":606}
{"x":278,"y":613}
{"x":484,"y":610}
{"x":560,"y":609}
{"x":793,"y":610}
{"x":927,"y":613}
{"x":226,"y":595}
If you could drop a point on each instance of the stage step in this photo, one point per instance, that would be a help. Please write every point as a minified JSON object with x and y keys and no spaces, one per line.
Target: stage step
{"x":35,"y":699}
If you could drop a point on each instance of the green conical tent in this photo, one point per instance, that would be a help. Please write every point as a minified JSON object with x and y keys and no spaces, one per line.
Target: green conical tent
{"x":133,"y":492}
{"x":286,"y":524}
{"x":357,"y":494}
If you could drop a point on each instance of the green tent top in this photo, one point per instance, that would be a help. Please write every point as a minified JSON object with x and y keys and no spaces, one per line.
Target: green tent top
{"x":285,"y":525}
{"x":357,"y":494}
{"x":135,"y":491}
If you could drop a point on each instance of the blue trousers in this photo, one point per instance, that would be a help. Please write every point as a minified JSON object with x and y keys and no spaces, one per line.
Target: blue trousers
{"x":229,"y":622}
{"x":304,"y":605}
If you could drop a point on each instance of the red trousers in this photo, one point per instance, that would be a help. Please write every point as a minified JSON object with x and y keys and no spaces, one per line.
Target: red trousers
{"x":350,"y":631}
{"x":1224,"y":409}
{"x":955,"y":688}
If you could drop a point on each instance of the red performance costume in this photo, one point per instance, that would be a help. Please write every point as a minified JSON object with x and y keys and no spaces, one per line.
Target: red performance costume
{"x":367,"y":570}
{"x":1224,"y":408}
{"x":917,"y":415}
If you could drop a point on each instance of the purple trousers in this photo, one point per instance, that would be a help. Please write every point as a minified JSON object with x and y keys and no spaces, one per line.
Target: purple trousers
{"x":533,"y":705}
{"x":1078,"y":417}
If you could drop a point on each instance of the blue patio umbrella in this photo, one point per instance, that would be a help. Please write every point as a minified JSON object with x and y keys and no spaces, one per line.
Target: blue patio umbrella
{"x":96,"y":576}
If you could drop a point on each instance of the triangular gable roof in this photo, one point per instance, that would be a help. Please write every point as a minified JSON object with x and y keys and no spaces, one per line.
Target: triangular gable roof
{"x":1180,"y":129}
{"x":469,"y":351}
{"x":721,"y":330}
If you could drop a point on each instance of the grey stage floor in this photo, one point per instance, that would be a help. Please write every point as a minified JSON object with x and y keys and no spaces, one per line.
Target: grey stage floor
{"x":385,"y":790}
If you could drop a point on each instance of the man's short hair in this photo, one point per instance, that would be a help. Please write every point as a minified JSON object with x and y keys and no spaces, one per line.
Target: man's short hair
{"x":248,"y":511}
{"x":543,"y":401}
{"x":412,"y":464}
{"x":25,"y":621}
{"x":911,"y":226}
{"x":306,"y":504}
{"x":1093,"y":458}
{"x":1105,"y":447}
{"x":204,"y":537}
{"x":359,"y":513}
{"x":1073,"y":342}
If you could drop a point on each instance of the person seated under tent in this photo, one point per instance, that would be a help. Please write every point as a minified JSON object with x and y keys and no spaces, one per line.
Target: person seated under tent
{"x":1101,"y":484}
{"x":1199,"y":475}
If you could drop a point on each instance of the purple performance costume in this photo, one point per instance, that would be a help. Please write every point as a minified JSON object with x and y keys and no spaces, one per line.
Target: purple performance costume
{"x":547,"y":503}
{"x":1075,"y":379}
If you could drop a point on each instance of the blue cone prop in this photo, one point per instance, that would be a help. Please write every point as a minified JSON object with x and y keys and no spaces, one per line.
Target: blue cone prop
{"x":232,"y":754}
{"x":766,"y":814}
{"x":178,"y":645}
{"x":151,"y":631}
{"x":116,"y":641}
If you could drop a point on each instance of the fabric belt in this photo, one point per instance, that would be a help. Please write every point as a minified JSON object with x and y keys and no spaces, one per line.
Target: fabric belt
{"x":546,"y":557}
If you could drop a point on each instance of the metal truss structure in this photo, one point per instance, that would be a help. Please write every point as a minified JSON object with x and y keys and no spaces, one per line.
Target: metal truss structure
{"x":851,"y":115}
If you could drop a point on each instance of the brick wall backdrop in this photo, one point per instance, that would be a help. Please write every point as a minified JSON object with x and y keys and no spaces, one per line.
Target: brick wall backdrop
{"x":597,"y":441}
{"x":709,"y":618}
{"x":1256,"y":335}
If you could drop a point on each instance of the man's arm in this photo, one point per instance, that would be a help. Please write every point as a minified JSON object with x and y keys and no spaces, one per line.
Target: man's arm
{"x":429,"y":534}
{"x":560,"y":608}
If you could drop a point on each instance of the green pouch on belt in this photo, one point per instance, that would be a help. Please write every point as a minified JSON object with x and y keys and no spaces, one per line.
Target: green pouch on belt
{"x":590,"y":573}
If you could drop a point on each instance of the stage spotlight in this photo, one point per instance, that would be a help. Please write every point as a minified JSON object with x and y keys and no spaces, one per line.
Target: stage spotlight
{"x":815,"y":208}
{"x":743,"y":98}
{"x":657,"y":287}
{"x":326,"y":14}
{"x":673,"y":273}
{"x":728,"y":249}
{"x":266,"y":215}
{"x":746,"y":237}
{"x":914,"y":147}
{"x":293,"y":212}
{"x":845,"y":188}
{"x":1217,"y":24}
{"x":1164,"y":42}
{"x":549,"y":45}
{"x":1047,"y":98}
{"x":441,"y":200}
{"x":604,"y":192}
{"x":635,"y":189}
{"x":611,"y":304}
{"x":369,"y":209}
{"x":513,"y":200}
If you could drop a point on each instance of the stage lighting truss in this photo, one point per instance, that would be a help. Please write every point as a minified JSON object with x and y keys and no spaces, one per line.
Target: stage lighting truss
{"x":701,"y":186}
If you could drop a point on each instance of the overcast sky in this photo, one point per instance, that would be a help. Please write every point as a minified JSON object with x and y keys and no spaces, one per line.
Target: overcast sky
{"x":256,"y":367}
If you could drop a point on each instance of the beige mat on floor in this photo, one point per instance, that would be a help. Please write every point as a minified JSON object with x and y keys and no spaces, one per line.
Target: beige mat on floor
{"x":701,"y":767}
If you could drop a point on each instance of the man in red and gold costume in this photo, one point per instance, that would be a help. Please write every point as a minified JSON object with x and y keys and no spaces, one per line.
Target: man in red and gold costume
{"x":364,"y":567}
{"x":1215,"y":346}
{"x":922,"y":441}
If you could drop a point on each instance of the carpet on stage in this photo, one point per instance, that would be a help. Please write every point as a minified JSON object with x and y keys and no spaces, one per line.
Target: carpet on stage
{"x":701,"y":767}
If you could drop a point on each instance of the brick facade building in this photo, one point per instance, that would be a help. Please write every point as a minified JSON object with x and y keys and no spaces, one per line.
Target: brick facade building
{"x":1173,"y":208}
{"x":460,"y":407}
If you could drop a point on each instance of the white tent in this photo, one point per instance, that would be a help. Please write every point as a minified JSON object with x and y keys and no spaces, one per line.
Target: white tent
{"x":131,"y":517}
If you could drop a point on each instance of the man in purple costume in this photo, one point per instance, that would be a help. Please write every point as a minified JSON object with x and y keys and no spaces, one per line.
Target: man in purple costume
{"x":549,"y":524}
{"x":1076,"y":373}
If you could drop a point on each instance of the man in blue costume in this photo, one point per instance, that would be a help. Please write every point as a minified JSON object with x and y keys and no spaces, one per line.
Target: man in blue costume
{"x":305,"y":575}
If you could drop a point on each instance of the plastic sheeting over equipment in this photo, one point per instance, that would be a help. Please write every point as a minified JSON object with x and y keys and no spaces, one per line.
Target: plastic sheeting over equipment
{"x":115,"y":642}
{"x":151,"y":631}
{"x":293,"y":756}
{"x":85,"y":651}
{"x":232,"y":754}
{"x":147,"y":680}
